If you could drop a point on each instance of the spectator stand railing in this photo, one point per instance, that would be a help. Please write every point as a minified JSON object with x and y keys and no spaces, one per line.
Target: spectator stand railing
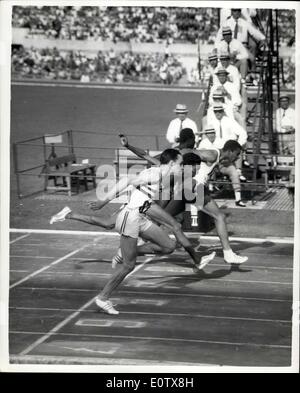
{"x":34,"y":175}
{"x":30,"y":156}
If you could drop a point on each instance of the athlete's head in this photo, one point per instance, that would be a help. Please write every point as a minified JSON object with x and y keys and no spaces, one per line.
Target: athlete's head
{"x":232,"y":150}
{"x":236,"y":12}
{"x":192,"y":160}
{"x":186,"y":138}
{"x":172,"y":158}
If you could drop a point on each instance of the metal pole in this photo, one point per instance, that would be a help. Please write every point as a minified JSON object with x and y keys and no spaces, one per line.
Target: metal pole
{"x":277,"y":54}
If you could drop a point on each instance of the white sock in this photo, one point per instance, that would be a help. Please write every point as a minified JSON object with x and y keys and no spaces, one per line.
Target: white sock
{"x":238,"y":195}
{"x":227,"y":253}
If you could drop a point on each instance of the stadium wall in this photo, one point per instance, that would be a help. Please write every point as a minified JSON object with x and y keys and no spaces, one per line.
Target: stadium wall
{"x":20,"y":36}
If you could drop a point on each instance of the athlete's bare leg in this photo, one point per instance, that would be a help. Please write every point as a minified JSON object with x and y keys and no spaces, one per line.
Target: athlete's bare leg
{"x":156,"y":213}
{"x":212,"y":209}
{"x":107,"y":223}
{"x":129,"y":253}
{"x":161,"y":243}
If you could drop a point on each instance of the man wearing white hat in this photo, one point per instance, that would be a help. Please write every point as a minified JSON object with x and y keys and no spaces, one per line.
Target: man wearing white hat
{"x":181,"y":121}
{"x":285,"y":126}
{"x":236,"y":50}
{"x":213,"y":62}
{"x":218,"y":98}
{"x":230,"y":91}
{"x":246,"y":13}
{"x":209,"y":137}
{"x":241,"y":28}
{"x":234,"y":75}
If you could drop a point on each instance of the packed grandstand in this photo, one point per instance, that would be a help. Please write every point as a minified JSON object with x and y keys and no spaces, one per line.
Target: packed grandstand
{"x":157,"y":25}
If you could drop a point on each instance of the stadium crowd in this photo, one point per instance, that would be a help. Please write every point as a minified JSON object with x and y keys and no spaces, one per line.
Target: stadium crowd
{"x":142,"y":24}
{"x":108,"y":67}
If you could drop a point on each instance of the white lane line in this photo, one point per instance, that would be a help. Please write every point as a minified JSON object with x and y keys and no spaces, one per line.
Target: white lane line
{"x":70,"y":317}
{"x":167,"y":339}
{"x":159,"y":294}
{"x":287,"y":240}
{"x":110,"y":351}
{"x":211,"y":264}
{"x":46,"y":267}
{"x":82,"y":322}
{"x":56,"y":328}
{"x":30,"y":256}
{"x":108,"y":87}
{"x":77,"y":360}
{"x":111,"y":323}
{"x":256,"y":267}
{"x":19,"y":238}
{"x":62,"y":232}
{"x":139,"y":267}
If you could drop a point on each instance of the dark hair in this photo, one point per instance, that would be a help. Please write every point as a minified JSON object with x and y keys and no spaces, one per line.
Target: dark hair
{"x":232,"y":145}
{"x":186,"y":134}
{"x":169,"y":155}
{"x":191,"y":159}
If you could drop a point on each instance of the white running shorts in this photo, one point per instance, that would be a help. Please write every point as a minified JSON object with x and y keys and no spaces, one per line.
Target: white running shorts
{"x":130,"y":222}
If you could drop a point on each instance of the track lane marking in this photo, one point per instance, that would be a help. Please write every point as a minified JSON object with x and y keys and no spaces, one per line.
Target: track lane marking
{"x":193,"y":235}
{"x":159,"y":294}
{"x":156,"y":313}
{"x":26,"y":278}
{"x":168,"y":339}
{"x":72,"y":316}
{"x":19,"y":238}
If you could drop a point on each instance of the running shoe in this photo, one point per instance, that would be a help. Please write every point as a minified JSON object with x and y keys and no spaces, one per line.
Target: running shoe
{"x":61,"y":216}
{"x":117,"y":259}
{"x":235,"y":259}
{"x":204,"y":261}
{"x":240,"y":203}
{"x":106,"y":306}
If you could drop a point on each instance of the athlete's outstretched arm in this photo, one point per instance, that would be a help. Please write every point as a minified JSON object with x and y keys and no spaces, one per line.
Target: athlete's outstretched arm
{"x":120,"y":186}
{"x":141,"y":179}
{"x":206,"y":155}
{"x":138,"y":151}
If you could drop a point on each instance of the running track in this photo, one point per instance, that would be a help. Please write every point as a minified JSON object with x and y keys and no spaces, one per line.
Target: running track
{"x":168,"y":315}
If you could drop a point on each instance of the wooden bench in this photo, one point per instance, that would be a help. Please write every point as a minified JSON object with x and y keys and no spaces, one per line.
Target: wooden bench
{"x":65,"y":167}
{"x":279,"y":166}
{"x":126,"y":159}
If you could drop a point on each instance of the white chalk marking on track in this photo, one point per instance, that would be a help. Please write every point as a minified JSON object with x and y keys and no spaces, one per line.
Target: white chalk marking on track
{"x":70,"y":317}
{"x":19,"y":238}
{"x":239,"y":344}
{"x":89,"y":322}
{"x":110,"y":351}
{"x":160,"y":294}
{"x":111,"y":322}
{"x":194,"y":234}
{"x":108,"y":87}
{"x":46,"y":267}
{"x":56,"y":328}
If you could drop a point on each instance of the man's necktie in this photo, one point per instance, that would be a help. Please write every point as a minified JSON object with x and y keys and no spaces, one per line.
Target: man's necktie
{"x":236,"y":29}
{"x":221,"y":133}
{"x":283,"y":114}
{"x":180,"y":128}
{"x":228,"y":47}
